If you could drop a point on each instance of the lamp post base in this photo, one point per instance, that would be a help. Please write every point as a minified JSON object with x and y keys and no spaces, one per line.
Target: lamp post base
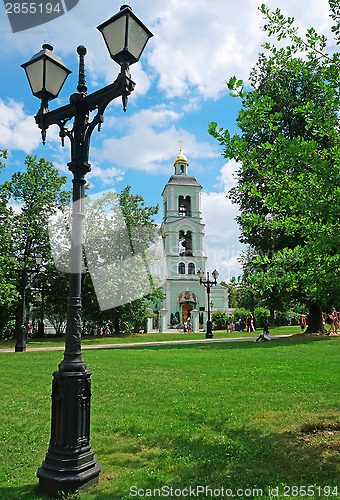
{"x":20,"y":346}
{"x":69,"y":464}
{"x":209,"y":333}
{"x":61,"y":474}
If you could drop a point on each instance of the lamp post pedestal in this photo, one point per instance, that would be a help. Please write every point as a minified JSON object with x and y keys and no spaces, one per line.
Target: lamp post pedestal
{"x":20,"y":346}
{"x":69,"y":464}
{"x":209,"y":333}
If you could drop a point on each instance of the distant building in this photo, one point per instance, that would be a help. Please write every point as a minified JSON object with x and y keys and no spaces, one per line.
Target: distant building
{"x":183,"y":248}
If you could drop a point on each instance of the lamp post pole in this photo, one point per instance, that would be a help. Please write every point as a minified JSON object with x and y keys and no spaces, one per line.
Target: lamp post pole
{"x":70,"y":463}
{"x":40,"y":281}
{"x":208,"y":284}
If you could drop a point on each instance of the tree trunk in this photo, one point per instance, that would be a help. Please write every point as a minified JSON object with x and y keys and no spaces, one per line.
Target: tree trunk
{"x":314,"y":320}
{"x":272,"y":317}
{"x":116,"y":325}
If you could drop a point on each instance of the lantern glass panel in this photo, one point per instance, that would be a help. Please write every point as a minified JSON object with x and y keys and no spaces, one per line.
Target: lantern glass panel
{"x":114,"y":35}
{"x":34,"y":74}
{"x":55,"y":77}
{"x":137,"y":38}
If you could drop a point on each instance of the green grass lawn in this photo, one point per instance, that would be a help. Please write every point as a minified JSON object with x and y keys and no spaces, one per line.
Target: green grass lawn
{"x":50,"y":341}
{"x":233,"y":416}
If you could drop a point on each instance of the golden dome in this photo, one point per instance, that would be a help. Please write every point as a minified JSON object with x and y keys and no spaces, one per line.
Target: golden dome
{"x":181,"y":158}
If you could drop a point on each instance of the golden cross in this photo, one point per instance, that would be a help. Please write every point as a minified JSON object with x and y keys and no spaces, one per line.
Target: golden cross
{"x":180,"y":145}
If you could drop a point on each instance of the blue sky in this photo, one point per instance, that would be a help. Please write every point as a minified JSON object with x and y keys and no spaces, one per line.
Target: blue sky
{"x":180,"y":87}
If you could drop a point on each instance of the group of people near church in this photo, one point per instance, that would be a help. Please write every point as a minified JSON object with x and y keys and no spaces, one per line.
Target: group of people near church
{"x":98,"y":330}
{"x":332,"y":320}
{"x":187,"y":326}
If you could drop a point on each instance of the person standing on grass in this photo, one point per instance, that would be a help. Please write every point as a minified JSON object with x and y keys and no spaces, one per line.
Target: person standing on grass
{"x":303,"y":323}
{"x":250,"y":322}
{"x":334,"y":322}
{"x":29,"y":330}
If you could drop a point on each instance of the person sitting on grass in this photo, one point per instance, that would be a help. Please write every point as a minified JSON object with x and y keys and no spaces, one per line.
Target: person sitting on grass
{"x":265,"y":335}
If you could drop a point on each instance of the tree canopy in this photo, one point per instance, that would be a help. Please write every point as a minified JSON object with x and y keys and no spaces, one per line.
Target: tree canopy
{"x":287,"y":148}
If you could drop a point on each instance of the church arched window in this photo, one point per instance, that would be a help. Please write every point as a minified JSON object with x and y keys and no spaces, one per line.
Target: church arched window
{"x":191,"y":268}
{"x":181,"y":268}
{"x":184,"y":206}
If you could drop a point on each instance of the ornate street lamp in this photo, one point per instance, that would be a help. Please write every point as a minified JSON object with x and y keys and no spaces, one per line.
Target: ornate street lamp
{"x":70,"y":463}
{"x":208,"y":284}
{"x":125,"y":36}
{"x":24,"y":272}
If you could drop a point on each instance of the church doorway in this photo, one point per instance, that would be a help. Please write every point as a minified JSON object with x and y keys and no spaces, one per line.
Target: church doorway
{"x":186,"y":308}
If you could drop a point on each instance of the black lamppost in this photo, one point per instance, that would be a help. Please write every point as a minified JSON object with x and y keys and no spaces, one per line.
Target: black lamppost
{"x":70,"y":463}
{"x":208,"y":284}
{"x":40,"y":282}
{"x":25,"y":273}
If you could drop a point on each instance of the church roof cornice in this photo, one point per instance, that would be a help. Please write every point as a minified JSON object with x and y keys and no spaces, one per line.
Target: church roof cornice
{"x":182,"y":180}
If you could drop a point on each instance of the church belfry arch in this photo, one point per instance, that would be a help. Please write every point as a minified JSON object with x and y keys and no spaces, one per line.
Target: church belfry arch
{"x":184,"y":205}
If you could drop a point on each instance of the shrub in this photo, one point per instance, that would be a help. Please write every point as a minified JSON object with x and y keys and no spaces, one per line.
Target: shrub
{"x":262,"y":317}
{"x":8,"y":330}
{"x":287,"y":318}
{"x":219,"y":319}
{"x":241,"y":313}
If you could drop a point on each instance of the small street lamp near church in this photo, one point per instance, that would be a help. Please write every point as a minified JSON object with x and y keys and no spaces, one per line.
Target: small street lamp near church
{"x":208,"y":284}
{"x":70,"y":463}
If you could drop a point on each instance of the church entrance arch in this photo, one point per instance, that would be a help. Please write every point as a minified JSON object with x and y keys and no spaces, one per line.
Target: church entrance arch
{"x":188,"y":301}
{"x":186,"y":308}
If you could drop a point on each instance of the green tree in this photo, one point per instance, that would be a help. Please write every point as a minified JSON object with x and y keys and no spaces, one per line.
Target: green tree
{"x":7,"y":281}
{"x":288,"y":152}
{"x":39,"y":192}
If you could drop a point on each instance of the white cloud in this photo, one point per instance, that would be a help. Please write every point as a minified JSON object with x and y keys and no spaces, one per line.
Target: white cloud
{"x":228,"y":176}
{"x":17,"y":129}
{"x":107,"y":176}
{"x":197,"y":45}
{"x":149,"y":141}
{"x":221,"y":234}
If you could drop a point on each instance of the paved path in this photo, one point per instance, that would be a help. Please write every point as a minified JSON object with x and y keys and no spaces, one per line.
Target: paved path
{"x":145,"y":344}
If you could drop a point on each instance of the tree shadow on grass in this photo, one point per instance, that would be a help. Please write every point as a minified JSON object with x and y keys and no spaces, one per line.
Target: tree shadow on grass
{"x":244,"y":459}
{"x":27,"y":492}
